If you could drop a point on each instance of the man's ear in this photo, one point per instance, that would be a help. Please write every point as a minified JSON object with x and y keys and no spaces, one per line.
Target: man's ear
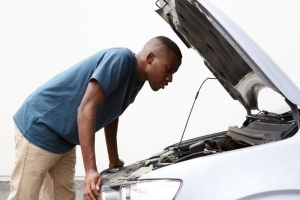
{"x":150,"y":58}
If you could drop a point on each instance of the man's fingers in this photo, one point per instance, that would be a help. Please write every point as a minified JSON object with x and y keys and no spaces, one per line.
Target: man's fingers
{"x":99,"y":181}
{"x":122,"y":162}
{"x":94,"y":190}
{"x":118,"y":163}
{"x":88,"y":192}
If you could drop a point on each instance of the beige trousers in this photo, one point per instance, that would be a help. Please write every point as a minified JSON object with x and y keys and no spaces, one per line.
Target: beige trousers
{"x":37,"y":169}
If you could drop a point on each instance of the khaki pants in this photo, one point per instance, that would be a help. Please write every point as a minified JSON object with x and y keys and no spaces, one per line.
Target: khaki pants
{"x":37,"y":168}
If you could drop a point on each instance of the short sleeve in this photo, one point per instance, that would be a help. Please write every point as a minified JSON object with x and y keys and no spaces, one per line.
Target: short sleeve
{"x":113,"y":68}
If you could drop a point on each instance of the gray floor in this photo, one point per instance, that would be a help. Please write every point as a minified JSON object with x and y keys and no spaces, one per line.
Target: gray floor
{"x":4,"y":190}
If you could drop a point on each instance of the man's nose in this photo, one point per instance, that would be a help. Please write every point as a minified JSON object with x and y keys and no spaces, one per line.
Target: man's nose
{"x":170,"y":78}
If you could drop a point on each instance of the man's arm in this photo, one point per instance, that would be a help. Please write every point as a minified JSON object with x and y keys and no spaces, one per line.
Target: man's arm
{"x":111,"y":143}
{"x":86,"y":119}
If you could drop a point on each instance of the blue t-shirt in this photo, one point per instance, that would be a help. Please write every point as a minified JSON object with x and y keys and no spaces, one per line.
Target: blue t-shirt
{"x":48,"y":117}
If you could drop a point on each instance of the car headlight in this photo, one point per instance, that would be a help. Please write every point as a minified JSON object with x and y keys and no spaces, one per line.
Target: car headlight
{"x":147,"y":189}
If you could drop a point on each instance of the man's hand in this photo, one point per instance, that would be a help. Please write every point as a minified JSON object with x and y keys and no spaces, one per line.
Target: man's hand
{"x":91,"y":186}
{"x":117,"y":163}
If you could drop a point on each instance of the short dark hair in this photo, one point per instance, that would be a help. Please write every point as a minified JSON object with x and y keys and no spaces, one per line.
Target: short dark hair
{"x":170,"y":45}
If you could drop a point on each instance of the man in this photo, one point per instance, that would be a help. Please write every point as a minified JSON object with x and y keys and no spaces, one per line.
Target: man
{"x":70,"y":108}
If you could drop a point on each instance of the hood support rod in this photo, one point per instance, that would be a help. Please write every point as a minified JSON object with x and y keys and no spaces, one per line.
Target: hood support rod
{"x":192,"y":109}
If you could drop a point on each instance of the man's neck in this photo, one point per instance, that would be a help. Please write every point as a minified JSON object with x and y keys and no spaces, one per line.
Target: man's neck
{"x":141,"y":75}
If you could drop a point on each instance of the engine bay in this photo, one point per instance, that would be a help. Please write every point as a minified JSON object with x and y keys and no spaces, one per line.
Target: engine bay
{"x":257,"y":129}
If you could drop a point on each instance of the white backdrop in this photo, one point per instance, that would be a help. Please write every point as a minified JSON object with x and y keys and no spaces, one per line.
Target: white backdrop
{"x":39,"y":39}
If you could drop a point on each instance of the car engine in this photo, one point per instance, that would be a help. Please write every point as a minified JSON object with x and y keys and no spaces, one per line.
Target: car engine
{"x":259,"y":129}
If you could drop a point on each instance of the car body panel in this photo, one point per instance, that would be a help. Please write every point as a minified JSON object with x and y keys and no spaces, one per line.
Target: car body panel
{"x":240,"y":173}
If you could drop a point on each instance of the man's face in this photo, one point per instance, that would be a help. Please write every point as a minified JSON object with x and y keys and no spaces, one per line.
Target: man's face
{"x":161,"y":69}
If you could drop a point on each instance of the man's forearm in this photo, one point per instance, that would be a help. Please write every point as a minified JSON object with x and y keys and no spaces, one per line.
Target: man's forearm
{"x":86,"y":129}
{"x":111,"y":140}
{"x":86,"y":120}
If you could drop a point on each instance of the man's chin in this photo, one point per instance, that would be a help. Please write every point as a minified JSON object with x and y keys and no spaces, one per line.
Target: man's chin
{"x":155,"y":88}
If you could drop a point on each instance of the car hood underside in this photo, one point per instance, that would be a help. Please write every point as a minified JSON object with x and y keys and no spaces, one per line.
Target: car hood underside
{"x":240,"y":65}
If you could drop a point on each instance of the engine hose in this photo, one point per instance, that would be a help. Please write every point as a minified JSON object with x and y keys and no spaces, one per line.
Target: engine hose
{"x":227,"y":144}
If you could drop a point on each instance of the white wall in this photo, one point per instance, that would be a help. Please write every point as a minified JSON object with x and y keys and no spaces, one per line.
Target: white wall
{"x":38,"y":39}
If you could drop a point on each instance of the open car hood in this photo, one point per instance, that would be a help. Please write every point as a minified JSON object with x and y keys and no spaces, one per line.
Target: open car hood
{"x":239,"y":64}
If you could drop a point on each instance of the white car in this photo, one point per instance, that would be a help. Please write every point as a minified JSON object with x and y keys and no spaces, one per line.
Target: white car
{"x":260,"y":159}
